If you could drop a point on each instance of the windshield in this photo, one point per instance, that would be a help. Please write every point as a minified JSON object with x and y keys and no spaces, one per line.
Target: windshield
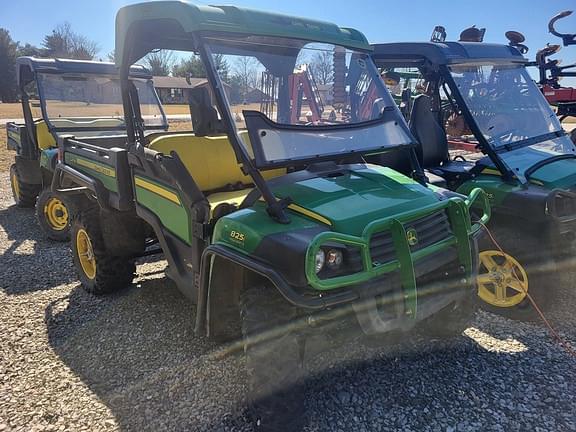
{"x":505,"y":103}
{"x":87,"y":101}
{"x":508,"y":108}
{"x":307,"y":84}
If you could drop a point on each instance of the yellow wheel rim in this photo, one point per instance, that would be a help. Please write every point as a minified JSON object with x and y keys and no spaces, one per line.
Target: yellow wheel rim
{"x":15,"y":185}
{"x":86,"y":254}
{"x":502,"y":281}
{"x":56,"y":214}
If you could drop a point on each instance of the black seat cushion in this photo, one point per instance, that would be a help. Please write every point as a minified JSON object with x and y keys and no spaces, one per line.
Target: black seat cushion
{"x":433,"y":149}
{"x":455,"y":167}
{"x":205,"y":119}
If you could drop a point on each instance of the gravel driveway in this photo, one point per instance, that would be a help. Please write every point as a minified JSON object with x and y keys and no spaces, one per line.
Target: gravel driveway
{"x":70,"y":361}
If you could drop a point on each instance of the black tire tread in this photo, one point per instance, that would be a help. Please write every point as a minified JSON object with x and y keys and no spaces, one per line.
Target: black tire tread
{"x":28,"y":192}
{"x":273,"y":360}
{"x":113,"y":273}
{"x":451,"y":321}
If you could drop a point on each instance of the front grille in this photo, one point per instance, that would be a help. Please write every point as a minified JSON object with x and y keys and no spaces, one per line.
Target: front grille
{"x":429,"y":229}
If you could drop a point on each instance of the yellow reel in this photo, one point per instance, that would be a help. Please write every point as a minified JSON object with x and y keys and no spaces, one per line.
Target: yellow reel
{"x":502,"y":281}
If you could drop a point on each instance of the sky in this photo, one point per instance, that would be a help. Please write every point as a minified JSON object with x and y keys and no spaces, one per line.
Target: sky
{"x":380,"y":21}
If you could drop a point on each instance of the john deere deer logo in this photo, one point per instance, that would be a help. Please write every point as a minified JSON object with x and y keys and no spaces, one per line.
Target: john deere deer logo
{"x":412,"y":237}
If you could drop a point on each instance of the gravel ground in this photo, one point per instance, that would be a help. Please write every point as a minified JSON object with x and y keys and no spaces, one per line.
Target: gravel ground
{"x":70,"y":361}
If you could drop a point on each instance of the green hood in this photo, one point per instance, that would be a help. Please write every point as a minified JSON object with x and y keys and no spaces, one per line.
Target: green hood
{"x":355,"y":198}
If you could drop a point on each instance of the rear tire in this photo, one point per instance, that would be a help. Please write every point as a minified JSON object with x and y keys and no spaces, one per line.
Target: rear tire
{"x":533,"y":254}
{"x":24,"y":194}
{"x":273,"y":360}
{"x":55,"y":212}
{"x":98,"y":271}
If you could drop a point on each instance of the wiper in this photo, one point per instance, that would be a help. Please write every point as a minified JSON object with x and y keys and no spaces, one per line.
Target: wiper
{"x":529,"y":141}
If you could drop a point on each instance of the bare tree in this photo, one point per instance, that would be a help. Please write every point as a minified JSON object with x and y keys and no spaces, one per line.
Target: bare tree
{"x":321,"y":67}
{"x":245,"y":73}
{"x":160,"y":62}
{"x":82,"y":48}
{"x":64,"y":42}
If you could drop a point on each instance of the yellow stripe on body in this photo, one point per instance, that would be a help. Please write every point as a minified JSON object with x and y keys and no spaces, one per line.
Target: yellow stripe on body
{"x":491,"y":171}
{"x":310,"y":214}
{"x":158,"y":190}
{"x":100,"y":168}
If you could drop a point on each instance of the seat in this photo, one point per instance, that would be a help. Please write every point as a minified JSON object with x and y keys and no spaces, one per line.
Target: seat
{"x":208,"y":155}
{"x":433,"y":149}
{"x":212,"y":164}
{"x":209,"y":159}
{"x":43,"y":136}
{"x":205,"y":119}
{"x":233,"y":197}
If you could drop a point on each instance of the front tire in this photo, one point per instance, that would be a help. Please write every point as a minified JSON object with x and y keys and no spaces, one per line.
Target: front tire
{"x":451,"y":321}
{"x":54,"y":213}
{"x":98,"y":271}
{"x":24,"y":194}
{"x":525,"y":264}
{"x":273,"y":360}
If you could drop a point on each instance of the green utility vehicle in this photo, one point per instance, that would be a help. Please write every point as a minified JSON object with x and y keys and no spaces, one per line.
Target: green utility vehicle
{"x":528,"y":165}
{"x":60,"y":97}
{"x":272,"y":225}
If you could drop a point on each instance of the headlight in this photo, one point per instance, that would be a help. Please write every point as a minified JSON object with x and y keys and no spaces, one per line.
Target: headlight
{"x":334,"y":259}
{"x":320,"y":259}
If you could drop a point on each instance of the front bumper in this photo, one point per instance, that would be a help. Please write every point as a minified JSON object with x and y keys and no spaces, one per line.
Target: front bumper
{"x":463,"y":233}
{"x":393,"y":282}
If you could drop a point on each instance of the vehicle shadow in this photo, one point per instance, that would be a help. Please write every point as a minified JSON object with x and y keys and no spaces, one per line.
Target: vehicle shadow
{"x":499,"y":375}
{"x":137,"y":352}
{"x":48,"y":263}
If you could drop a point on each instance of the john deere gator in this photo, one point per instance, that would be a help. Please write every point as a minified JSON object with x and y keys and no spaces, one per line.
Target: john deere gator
{"x":269,"y":219}
{"x":480,"y":95}
{"x":62,"y":97}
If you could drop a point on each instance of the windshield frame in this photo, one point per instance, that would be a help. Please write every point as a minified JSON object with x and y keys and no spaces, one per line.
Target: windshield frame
{"x":493,"y":152}
{"x":197,"y":44}
{"x":59,"y":129}
{"x":258,"y":159}
{"x":256,"y":121}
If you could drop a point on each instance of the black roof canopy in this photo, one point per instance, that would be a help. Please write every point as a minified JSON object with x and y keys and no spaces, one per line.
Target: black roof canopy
{"x":445,"y":53}
{"x":26,"y":66}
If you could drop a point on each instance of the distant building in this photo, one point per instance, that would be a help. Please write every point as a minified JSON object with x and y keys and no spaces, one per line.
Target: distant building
{"x":255,"y":95}
{"x":176,"y":90}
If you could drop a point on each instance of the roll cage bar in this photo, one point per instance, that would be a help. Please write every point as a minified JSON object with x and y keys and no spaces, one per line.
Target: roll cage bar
{"x":28,"y":69}
{"x":434,"y":60}
{"x":136,"y":138}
